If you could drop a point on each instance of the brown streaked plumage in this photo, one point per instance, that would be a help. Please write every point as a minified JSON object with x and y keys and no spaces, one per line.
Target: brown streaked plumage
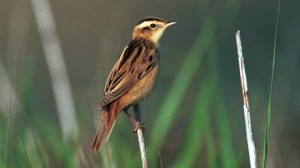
{"x":133,"y":75}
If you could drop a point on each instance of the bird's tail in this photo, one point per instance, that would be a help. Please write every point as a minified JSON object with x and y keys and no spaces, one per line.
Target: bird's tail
{"x":105,"y":127}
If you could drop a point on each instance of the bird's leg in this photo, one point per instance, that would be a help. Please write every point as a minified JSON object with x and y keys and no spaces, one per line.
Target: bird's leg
{"x":133,"y":120}
{"x":137,"y":120}
{"x":138,"y":117}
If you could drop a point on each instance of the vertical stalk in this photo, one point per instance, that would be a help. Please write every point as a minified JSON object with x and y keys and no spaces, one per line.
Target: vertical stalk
{"x":250,"y":141}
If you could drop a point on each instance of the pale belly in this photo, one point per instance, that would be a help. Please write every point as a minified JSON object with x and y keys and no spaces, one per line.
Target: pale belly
{"x":140,"y":89}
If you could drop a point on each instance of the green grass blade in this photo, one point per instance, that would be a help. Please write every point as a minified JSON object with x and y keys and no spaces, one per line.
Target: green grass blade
{"x":198,"y":124}
{"x":227,"y":156}
{"x":268,"y":118}
{"x":211,"y":148}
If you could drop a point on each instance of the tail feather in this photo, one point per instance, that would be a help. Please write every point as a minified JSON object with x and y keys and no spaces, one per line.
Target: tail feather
{"x":105,"y":127}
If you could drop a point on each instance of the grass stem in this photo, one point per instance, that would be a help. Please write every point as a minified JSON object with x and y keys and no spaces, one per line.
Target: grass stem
{"x":250,"y":141}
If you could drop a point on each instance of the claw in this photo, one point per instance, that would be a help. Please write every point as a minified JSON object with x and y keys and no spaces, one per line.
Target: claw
{"x":139,"y":125}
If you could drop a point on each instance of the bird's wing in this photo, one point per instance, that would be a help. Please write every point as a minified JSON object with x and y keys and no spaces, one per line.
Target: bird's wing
{"x":137,"y":59}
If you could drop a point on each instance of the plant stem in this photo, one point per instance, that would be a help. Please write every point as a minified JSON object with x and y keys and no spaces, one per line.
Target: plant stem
{"x":137,"y":112}
{"x":250,"y":141}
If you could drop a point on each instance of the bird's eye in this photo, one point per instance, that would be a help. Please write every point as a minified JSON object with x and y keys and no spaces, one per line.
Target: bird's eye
{"x":152,"y":25}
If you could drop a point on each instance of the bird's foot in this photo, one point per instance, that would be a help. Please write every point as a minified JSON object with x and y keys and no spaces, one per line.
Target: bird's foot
{"x":139,"y":125}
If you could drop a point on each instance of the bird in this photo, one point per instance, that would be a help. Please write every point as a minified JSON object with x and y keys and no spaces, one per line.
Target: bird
{"x":132,"y":77}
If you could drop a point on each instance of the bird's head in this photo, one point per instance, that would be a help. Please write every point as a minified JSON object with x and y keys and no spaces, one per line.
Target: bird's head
{"x":151,"y":28}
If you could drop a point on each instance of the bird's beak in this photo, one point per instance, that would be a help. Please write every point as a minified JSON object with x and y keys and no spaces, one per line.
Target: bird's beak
{"x":170,"y":23}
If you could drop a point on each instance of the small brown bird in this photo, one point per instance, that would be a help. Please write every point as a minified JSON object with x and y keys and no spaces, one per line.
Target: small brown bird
{"x":132,"y":77}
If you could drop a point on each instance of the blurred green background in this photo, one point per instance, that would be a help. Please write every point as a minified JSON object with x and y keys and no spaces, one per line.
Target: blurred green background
{"x":194,"y":117}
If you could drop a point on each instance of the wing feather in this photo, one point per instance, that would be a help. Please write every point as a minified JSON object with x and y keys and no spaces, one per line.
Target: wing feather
{"x":137,"y":59}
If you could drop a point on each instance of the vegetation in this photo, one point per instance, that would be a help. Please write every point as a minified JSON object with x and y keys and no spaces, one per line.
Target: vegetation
{"x":194,"y":117}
